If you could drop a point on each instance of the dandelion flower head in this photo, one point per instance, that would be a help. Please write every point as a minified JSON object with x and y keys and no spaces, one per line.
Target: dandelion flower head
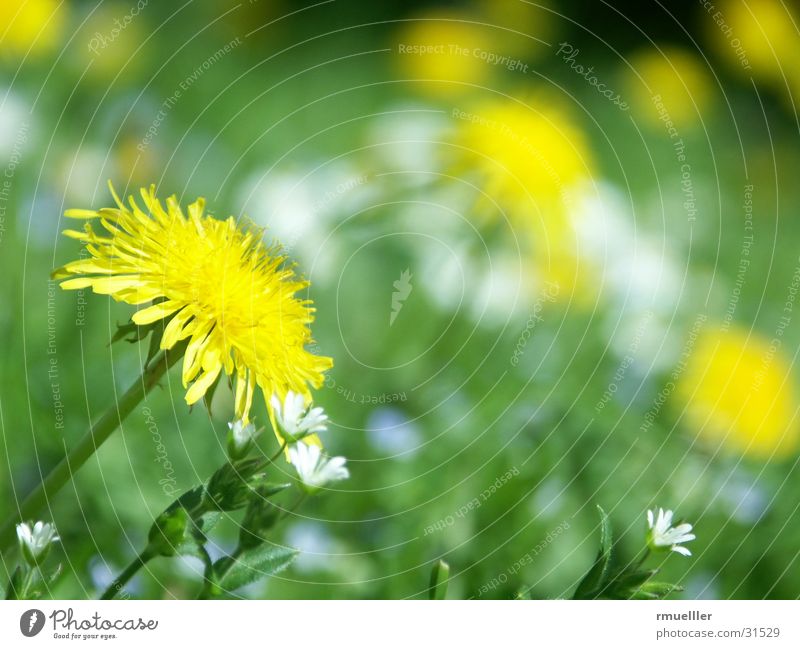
{"x":222,"y":289}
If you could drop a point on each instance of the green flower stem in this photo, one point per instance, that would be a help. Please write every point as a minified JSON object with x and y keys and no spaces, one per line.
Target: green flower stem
{"x":210,"y":589}
{"x":280,"y":452}
{"x":293,"y":509}
{"x":96,"y":435}
{"x":126,"y":575}
{"x":26,"y":585}
{"x":643,"y":558}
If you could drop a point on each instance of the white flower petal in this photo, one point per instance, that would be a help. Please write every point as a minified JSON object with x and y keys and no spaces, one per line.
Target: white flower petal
{"x":313,"y":469}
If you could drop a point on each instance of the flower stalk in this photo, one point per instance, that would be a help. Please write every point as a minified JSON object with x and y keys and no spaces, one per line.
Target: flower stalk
{"x":94,"y":438}
{"x":126,"y":575}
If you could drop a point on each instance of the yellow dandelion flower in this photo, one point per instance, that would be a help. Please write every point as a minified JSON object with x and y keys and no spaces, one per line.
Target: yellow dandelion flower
{"x":33,"y":26}
{"x":670,"y":79}
{"x":223,"y":290}
{"x":738,"y":390}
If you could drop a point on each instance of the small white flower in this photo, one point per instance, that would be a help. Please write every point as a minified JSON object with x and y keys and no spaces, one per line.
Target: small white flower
{"x":314,"y":469}
{"x":662,"y":536}
{"x":295,"y":419}
{"x":35,"y":543}
{"x":240,"y":438}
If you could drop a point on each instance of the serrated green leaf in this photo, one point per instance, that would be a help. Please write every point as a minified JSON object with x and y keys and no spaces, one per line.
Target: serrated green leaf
{"x":437,"y":589}
{"x":597,"y":577}
{"x":254,"y":564}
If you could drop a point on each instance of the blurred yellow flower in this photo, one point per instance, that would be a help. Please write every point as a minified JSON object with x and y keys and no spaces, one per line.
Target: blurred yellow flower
{"x":757,"y":38}
{"x":525,"y":28}
{"x":531,"y":154}
{"x":109,"y":42}
{"x":141,"y":162}
{"x":31,"y":26}
{"x":737,"y":389}
{"x":672,"y":78}
{"x":531,"y":158}
{"x":219,"y":286}
{"x":438,"y":53}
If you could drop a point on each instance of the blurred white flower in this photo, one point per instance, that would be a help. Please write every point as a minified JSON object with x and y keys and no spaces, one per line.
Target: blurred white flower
{"x":15,"y":118}
{"x":80,"y":172}
{"x":742,"y":496}
{"x":315,"y":470}
{"x":641,"y":277}
{"x":302,"y":207}
{"x":390,"y":431}
{"x":409,"y":140}
{"x":499,"y":294}
{"x":315,"y":544}
{"x":636,"y":267}
{"x":240,"y":438}
{"x":295,"y":419}
{"x":35,"y":542}
{"x":662,"y":536}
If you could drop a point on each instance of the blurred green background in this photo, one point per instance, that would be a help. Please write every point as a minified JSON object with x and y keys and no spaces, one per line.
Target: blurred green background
{"x":596,"y":204}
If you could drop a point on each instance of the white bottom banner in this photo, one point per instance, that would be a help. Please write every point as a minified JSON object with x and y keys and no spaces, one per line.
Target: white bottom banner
{"x":399,"y":624}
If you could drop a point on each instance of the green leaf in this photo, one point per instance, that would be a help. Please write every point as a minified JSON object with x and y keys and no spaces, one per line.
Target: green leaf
{"x":231,"y":486}
{"x":261,"y":515}
{"x":208,"y":521}
{"x":191,"y":501}
{"x":15,"y":590}
{"x":208,"y":397}
{"x":169,"y":532}
{"x":269,"y":489}
{"x":634,"y":579}
{"x":597,"y":578}
{"x":655,"y":590}
{"x":254,"y":564}
{"x":438,"y":584}
{"x":53,"y":576}
{"x":134,"y":333}
{"x":155,"y":343}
